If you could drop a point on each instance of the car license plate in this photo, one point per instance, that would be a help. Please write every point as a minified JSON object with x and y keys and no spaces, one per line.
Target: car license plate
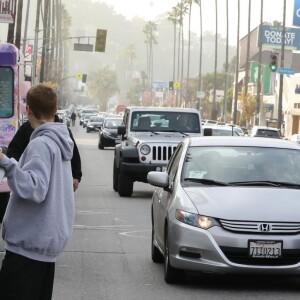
{"x":265,"y":249}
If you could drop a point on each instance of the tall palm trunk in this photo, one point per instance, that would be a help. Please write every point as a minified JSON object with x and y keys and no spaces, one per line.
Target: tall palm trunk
{"x":11,"y":26}
{"x":248,"y":51}
{"x":45,"y":40}
{"x":214,"y":109}
{"x":37,"y":24}
{"x":237,"y":66}
{"x":178,"y":60}
{"x":182,"y":64}
{"x":53,"y":38}
{"x":188,"y":54}
{"x":226,"y":66}
{"x":174,"y":51}
{"x":200,"y":56}
{"x":260,"y":87}
{"x":19,"y":24}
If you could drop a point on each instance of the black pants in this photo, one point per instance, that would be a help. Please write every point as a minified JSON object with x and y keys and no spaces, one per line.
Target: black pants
{"x":26,"y":279}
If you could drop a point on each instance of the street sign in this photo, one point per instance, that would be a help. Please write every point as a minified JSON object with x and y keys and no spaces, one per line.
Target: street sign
{"x":83,"y":47}
{"x":200,"y":94}
{"x":286,"y":71}
{"x":176,"y":85}
{"x":78,"y":76}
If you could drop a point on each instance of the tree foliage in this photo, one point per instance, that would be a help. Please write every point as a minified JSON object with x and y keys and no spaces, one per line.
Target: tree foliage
{"x":102,"y":85}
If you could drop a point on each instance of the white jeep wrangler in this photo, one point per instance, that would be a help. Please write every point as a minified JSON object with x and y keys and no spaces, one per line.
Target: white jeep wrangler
{"x":149,"y":137}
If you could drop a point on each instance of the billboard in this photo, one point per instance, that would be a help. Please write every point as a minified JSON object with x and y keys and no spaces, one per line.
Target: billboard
{"x":296,"y":15}
{"x":7,"y":11}
{"x":272,"y":36}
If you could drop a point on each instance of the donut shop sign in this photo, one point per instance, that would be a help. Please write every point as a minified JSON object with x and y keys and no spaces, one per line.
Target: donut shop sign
{"x":272,"y":37}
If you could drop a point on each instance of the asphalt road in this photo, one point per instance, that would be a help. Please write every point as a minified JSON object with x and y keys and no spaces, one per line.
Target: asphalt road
{"x":109,"y":258}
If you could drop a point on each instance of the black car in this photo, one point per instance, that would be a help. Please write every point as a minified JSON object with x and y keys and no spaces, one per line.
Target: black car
{"x":108,"y":133}
{"x":94,"y":123}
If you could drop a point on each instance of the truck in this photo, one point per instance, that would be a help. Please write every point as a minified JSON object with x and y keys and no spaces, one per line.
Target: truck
{"x":13,"y":90}
{"x":149,"y":137}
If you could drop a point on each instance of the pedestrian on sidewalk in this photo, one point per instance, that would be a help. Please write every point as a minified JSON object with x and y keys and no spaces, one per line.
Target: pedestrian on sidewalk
{"x":39,"y":218}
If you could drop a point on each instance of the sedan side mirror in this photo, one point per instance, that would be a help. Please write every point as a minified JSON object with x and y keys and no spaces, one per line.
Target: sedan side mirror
{"x":160,"y":179}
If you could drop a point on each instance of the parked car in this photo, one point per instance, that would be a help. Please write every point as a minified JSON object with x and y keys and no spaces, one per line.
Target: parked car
{"x":221,"y":130}
{"x":108,"y":134}
{"x":228,"y":205}
{"x":295,"y":138}
{"x":94,"y":123}
{"x":63,"y":117}
{"x":86,"y":118}
{"x":263,"y":131}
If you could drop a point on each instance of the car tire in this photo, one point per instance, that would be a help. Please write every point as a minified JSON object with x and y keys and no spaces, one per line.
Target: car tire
{"x":115,"y":176}
{"x":125,"y":183}
{"x":171,"y":274}
{"x":156,"y":256}
{"x":100,"y":144}
{"x":87,"y":130}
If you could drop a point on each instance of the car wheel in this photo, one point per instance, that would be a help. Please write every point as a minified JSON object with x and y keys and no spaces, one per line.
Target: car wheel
{"x":115,"y":176}
{"x":172,"y":275}
{"x":100,"y":144}
{"x":156,"y":256}
{"x":87,"y":130}
{"x":125,"y":183}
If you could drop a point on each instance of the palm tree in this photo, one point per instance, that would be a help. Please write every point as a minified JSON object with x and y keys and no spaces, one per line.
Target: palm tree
{"x":173,"y":17}
{"x":19,"y":24}
{"x":182,"y":10}
{"x":237,"y":66}
{"x":214,"y":110}
{"x":199,"y":2}
{"x":260,"y":89}
{"x":46,"y":35}
{"x":150,"y":30}
{"x":226,"y":66}
{"x":189,"y":3}
{"x":11,"y":27}
{"x":248,"y":51}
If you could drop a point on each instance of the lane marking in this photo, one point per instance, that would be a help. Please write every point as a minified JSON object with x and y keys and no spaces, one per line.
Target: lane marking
{"x":135,"y":234}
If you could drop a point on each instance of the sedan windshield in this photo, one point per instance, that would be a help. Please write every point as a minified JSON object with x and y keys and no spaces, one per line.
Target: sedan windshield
{"x":243,"y":165}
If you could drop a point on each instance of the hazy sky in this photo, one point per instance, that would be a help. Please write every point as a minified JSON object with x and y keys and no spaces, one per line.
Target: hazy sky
{"x":148,"y":9}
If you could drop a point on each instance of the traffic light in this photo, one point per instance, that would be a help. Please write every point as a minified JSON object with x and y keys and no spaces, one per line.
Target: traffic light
{"x":273,"y":62}
{"x":84,"y":77}
{"x":171,"y":85}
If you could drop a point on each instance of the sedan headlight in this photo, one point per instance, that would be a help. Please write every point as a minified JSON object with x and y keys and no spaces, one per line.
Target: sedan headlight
{"x":196,"y":220}
{"x":145,"y":149}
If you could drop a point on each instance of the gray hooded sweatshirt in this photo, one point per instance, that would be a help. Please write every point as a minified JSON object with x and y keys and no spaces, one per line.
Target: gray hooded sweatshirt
{"x":39,"y":218}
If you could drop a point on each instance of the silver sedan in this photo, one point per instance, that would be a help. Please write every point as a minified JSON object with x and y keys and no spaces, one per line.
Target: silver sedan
{"x":228,"y":205}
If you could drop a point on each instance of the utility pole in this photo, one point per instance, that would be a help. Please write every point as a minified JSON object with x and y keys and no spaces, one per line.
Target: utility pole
{"x":279,"y":118}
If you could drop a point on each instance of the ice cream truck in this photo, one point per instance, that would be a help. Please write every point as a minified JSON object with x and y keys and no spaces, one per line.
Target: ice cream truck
{"x":13,"y":91}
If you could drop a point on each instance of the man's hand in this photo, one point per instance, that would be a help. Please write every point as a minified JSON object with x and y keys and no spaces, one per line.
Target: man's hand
{"x":75,"y":184}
